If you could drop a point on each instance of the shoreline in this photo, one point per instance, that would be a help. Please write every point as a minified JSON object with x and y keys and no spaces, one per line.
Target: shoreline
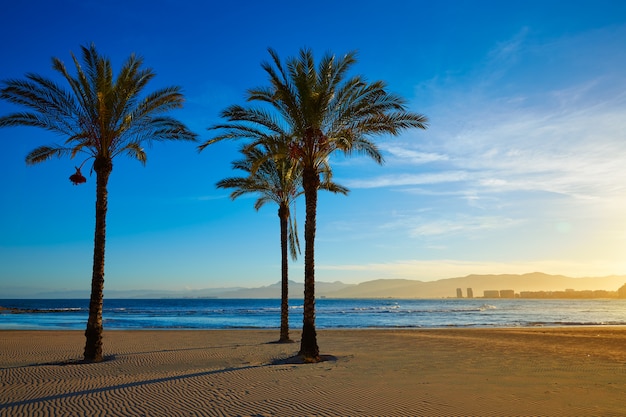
{"x":562,"y":370}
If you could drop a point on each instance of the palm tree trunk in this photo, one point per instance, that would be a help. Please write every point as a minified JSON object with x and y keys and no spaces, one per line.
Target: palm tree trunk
{"x":93,"y":333}
{"x":283,"y":214}
{"x":308,"y":345}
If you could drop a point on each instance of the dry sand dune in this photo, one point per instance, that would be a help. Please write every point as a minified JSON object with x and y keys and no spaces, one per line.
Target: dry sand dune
{"x":438,"y":372}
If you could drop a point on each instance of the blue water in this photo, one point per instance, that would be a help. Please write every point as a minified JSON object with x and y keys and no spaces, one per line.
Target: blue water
{"x":331,"y":313}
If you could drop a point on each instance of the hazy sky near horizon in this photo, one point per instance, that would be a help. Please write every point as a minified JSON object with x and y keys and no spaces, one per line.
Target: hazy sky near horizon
{"x":522,"y":169}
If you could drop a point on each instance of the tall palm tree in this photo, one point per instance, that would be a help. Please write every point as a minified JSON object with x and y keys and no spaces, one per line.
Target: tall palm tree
{"x":101,"y":117}
{"x":323,"y":112}
{"x":275,"y":176}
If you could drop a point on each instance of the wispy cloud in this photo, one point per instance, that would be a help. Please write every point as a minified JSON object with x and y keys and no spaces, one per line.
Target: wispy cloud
{"x":568,"y":141}
{"x":406,"y":155}
{"x":426,"y":224}
{"x":463,"y":224}
{"x":578,"y":151}
{"x":210,"y":197}
{"x":407,"y":179}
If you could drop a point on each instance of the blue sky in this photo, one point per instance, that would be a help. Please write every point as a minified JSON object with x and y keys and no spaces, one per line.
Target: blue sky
{"x":523,"y":167}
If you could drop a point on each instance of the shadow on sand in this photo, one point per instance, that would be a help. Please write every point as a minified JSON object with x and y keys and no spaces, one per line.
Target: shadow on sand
{"x":299,"y":360}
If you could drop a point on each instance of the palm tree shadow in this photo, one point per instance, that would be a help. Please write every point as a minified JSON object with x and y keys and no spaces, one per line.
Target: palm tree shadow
{"x":108,"y":358}
{"x":124,"y":386}
{"x":292,"y":360}
{"x":70,"y":362}
{"x":299,"y":360}
{"x":281,"y":342}
{"x":65,"y":362}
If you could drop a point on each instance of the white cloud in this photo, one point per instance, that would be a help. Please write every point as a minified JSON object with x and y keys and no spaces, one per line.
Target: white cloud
{"x":576,"y":150}
{"x":463,"y":224}
{"x":406,"y":179}
{"x":569,"y":141}
{"x":403,"y":154}
{"x":209,"y":197}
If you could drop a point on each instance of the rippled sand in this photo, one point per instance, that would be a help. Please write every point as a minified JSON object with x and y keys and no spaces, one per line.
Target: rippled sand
{"x":435,"y":372}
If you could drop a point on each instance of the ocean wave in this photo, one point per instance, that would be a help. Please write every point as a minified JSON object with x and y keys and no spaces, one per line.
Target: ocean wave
{"x":13,"y":310}
{"x":330,"y":313}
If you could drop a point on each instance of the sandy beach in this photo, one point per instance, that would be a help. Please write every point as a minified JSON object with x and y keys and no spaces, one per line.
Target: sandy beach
{"x":435,"y":372}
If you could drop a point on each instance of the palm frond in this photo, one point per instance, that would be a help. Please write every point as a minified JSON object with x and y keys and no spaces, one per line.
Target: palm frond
{"x":43,"y":153}
{"x":294,"y":241}
{"x":272,"y":177}
{"x":99,"y":114}
{"x":136,"y":151}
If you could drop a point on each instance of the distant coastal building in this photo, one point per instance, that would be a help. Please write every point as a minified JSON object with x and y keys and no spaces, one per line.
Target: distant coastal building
{"x":459,"y":293}
{"x":507,"y":294}
{"x":584,"y":294}
{"x":491,"y":294}
{"x":568,"y":293}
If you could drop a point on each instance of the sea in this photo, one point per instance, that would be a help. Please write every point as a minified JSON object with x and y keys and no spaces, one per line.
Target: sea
{"x":210,"y":313}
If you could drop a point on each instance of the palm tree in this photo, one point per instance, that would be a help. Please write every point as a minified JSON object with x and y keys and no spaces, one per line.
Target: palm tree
{"x":323,"y":112}
{"x":276,"y":180}
{"x":101,"y":117}
{"x":273,"y":175}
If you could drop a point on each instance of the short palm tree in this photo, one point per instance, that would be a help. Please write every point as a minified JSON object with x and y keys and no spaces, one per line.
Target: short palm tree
{"x":101,"y":117}
{"x":276,"y":178}
{"x":323,"y":112}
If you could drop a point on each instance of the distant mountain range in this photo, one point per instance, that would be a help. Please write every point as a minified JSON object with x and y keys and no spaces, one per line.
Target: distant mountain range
{"x":382,"y":288}
{"x":537,"y":281}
